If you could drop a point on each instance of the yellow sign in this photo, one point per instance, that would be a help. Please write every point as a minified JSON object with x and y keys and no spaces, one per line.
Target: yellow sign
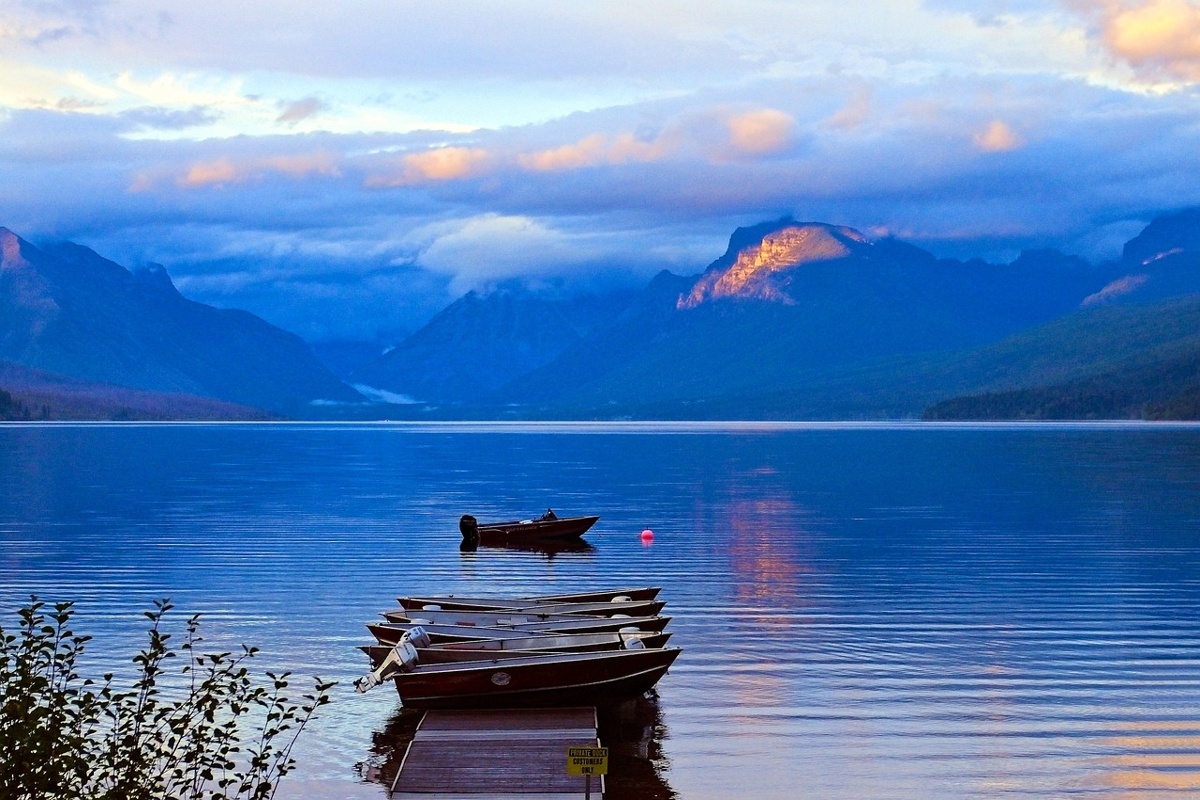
{"x":587,"y":760}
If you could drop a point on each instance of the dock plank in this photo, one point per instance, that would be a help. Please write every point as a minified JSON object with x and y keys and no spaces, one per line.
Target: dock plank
{"x":519,"y":754}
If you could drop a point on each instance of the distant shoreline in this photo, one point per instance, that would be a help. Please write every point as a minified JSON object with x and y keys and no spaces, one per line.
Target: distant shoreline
{"x":633,"y":426}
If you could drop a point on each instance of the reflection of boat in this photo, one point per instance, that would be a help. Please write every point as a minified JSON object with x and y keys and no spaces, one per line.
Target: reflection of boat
{"x":563,"y":643}
{"x":632,"y":730}
{"x":548,"y":547}
{"x":467,"y":603}
{"x":546,"y":679}
{"x":546,"y":528}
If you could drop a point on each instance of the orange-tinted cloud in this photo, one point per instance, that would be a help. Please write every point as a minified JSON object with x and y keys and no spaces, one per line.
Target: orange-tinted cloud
{"x":304,"y":165}
{"x":440,"y":164}
{"x":855,"y":113}
{"x":718,"y":135}
{"x":595,"y":150}
{"x":765,"y":131}
{"x":211,"y":173}
{"x":225,"y":171}
{"x":997,"y":137}
{"x":1159,"y":38}
{"x":587,"y":152}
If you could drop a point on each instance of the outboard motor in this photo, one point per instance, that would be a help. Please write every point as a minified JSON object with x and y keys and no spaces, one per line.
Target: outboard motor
{"x":417,"y":637}
{"x":468,"y":526}
{"x":402,"y":658}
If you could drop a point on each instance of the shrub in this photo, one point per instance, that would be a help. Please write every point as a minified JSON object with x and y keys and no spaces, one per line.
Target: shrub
{"x":215,"y":733}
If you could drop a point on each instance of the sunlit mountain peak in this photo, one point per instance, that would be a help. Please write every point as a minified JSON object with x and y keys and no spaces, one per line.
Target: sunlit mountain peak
{"x":787,"y":248}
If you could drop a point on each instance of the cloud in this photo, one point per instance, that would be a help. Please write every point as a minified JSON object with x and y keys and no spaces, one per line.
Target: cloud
{"x":598,"y":149}
{"x":489,"y":249}
{"x":300,"y":110}
{"x":714,"y":135}
{"x":437,"y":164}
{"x":482,"y":250}
{"x":855,"y":113}
{"x":997,"y":137}
{"x":569,"y":141}
{"x":304,"y":165}
{"x":1159,"y":38}
{"x":212,"y":173}
{"x":765,"y":131}
{"x":224,"y":171}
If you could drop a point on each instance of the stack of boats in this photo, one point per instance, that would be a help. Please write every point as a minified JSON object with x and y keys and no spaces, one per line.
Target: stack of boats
{"x":588,"y":648}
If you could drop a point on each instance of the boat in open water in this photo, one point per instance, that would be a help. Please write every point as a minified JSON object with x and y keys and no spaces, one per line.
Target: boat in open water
{"x":547,"y":528}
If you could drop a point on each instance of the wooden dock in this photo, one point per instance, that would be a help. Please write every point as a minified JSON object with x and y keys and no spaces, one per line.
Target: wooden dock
{"x":518,"y":754}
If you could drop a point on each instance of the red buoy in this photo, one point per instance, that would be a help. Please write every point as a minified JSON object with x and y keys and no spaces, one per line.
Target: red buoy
{"x":647,"y":535}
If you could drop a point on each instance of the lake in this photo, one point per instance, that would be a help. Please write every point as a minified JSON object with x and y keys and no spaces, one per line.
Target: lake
{"x":884,"y":611}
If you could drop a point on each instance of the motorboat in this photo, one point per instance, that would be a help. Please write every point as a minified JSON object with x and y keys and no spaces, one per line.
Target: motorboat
{"x":562,"y":643}
{"x":547,"y":528}
{"x":520,"y":681}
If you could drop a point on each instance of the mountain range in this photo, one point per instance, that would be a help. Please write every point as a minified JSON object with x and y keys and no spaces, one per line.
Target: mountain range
{"x":810,"y":320}
{"x":796,"y":320}
{"x":72,"y":319}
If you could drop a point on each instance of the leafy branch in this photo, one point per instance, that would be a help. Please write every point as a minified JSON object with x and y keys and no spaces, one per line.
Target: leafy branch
{"x":215,"y":733}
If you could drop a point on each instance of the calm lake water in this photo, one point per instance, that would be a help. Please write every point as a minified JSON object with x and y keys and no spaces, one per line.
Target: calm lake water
{"x":865,"y":611}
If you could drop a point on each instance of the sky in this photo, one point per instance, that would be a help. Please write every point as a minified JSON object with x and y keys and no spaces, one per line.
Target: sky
{"x":347,"y":169}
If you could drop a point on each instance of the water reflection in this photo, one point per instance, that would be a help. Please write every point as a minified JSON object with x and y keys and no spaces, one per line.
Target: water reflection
{"x":864,"y":613}
{"x":632,"y":730}
{"x":1150,"y":756}
{"x":766,"y":550}
{"x":549,"y":549}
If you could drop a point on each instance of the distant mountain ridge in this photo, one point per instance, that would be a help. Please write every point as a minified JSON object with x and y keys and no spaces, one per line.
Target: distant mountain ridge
{"x":811,"y":320}
{"x":481,"y":342}
{"x":801,"y":320}
{"x":66,"y":310}
{"x":790,"y":300}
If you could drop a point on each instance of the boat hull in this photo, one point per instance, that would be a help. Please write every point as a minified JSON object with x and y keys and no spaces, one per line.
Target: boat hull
{"x":483,"y":649}
{"x":539,"y":681}
{"x":563,"y":624}
{"x":391,"y":631}
{"x":535,"y":530}
{"x":632,"y":608}
{"x":481,"y":603}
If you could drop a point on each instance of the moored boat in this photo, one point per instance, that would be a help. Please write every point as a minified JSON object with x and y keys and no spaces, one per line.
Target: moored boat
{"x":572,"y":625}
{"x":467,"y":603}
{"x":508,"y":618}
{"x":548,"y":679}
{"x":630,"y":608}
{"x":560,"y":643}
